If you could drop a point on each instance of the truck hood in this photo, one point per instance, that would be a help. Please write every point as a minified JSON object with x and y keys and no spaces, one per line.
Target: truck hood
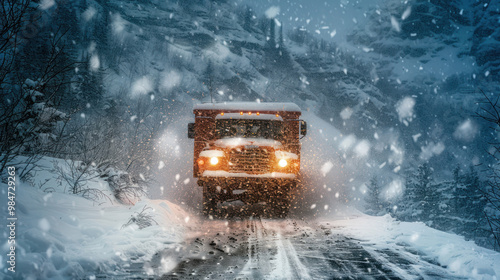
{"x":238,"y":142}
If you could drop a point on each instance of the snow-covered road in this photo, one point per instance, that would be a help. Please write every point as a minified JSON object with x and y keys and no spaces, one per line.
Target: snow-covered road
{"x":294,"y":248}
{"x":69,"y":237}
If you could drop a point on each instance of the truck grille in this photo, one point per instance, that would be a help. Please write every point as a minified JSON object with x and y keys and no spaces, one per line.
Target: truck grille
{"x":252,"y":161}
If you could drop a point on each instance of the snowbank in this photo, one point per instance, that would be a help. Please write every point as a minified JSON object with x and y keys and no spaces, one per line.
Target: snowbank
{"x":61,"y":235}
{"x":451,"y":251}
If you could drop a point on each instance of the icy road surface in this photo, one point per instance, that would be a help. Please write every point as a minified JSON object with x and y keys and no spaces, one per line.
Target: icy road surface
{"x":293,"y":248}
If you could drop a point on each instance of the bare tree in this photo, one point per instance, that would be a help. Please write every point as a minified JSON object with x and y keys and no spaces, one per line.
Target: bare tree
{"x":490,"y":112}
{"x":28,"y":105}
{"x":145,"y":125}
{"x":12,"y":14}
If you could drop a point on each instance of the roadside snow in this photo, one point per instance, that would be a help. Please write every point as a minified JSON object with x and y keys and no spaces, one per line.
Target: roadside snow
{"x":61,"y":235}
{"x":461,"y":257}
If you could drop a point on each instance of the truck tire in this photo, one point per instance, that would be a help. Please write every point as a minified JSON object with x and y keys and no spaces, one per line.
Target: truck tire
{"x":279,"y":207}
{"x":283,"y":208}
{"x":209,"y":201}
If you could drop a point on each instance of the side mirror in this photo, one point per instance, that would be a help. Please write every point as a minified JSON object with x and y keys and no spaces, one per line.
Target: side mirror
{"x":191,"y":133}
{"x":303,"y":128}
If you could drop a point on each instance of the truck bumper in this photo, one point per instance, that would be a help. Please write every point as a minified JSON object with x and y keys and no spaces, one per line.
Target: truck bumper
{"x":247,"y":189}
{"x":238,"y":183}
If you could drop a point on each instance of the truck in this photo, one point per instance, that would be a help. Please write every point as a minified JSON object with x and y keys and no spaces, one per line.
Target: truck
{"x":248,"y":151}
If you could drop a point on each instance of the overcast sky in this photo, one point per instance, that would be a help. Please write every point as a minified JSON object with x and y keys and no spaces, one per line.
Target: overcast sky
{"x":331,"y":19}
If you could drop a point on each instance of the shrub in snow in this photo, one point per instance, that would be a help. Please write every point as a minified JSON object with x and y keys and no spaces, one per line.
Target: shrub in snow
{"x":33,"y":121}
{"x":39,"y":120}
{"x":142,"y":219}
{"x":29,"y":124}
{"x":126,"y":189}
{"x":76,"y":175}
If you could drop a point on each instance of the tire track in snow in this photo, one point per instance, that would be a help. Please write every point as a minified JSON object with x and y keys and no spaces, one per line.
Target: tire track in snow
{"x":257,"y":264}
{"x":288,"y":264}
{"x":271,"y":255}
{"x":257,"y":248}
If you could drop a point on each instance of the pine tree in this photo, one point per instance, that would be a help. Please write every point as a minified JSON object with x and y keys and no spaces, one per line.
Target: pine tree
{"x":87,"y":86}
{"x":469,"y":202}
{"x":408,"y":209}
{"x":426,"y":195}
{"x":457,"y":184}
{"x":209,"y":79}
{"x":423,"y":177}
{"x":373,"y":202}
{"x":272,"y":33}
{"x":419,"y":196}
{"x":456,"y":174}
{"x":247,"y":19}
{"x":101,"y":31}
{"x":468,"y":195}
{"x":475,"y":202}
{"x":281,"y":39}
{"x":263,"y":25}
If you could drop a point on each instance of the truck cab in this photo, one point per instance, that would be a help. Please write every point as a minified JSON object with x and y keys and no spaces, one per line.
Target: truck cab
{"x":247,"y":151}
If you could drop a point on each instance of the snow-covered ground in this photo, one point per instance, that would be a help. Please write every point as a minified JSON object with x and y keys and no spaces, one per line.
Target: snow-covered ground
{"x":60,"y":235}
{"x":348,"y":245}
{"x":461,"y":257}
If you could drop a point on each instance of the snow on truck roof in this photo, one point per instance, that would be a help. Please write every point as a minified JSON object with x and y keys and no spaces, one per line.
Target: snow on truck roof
{"x":249,"y":106}
{"x":237,"y":116}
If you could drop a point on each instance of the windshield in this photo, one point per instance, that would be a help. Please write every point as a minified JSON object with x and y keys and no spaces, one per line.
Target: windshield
{"x":228,"y":128}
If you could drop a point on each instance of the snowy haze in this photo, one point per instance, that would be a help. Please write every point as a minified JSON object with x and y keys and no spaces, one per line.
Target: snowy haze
{"x":394,"y":168}
{"x":370,"y":108}
{"x":330,"y":20}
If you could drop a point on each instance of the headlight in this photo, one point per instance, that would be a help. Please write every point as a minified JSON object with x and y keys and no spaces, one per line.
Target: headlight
{"x":282,"y":163}
{"x":214,"y":160}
